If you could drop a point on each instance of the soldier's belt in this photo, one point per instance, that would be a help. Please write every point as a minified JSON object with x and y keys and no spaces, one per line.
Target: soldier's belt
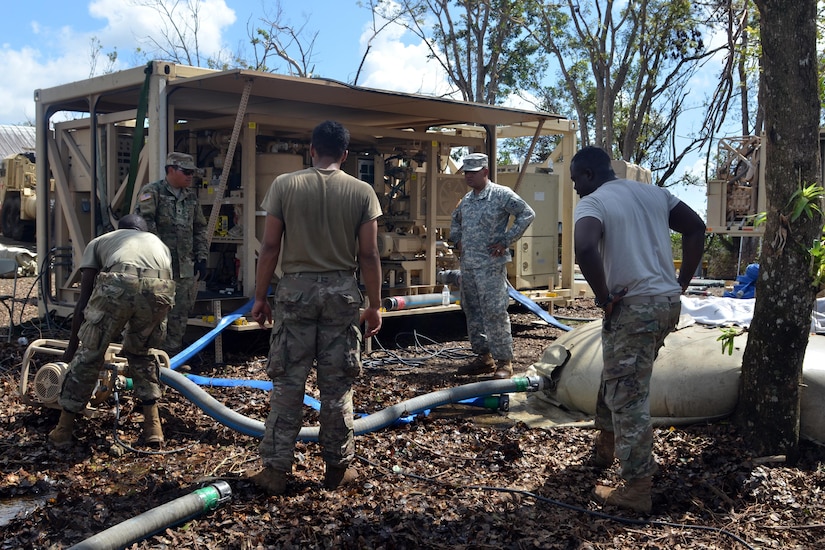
{"x":141,"y":272}
{"x":319,"y":274}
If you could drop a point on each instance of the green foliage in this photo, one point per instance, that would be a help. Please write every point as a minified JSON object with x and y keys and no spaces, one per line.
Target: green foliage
{"x":806,"y":200}
{"x":95,"y":51}
{"x":760,"y":218}
{"x":727,"y":336}
{"x":624,"y":68}
{"x":481,"y":46}
{"x":817,"y":264}
{"x":515,"y":149}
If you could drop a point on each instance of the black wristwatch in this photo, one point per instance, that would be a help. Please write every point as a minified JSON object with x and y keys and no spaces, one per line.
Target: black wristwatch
{"x":606,"y":302}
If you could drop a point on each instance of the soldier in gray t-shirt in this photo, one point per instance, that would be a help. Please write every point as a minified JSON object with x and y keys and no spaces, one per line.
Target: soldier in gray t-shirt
{"x":622,"y":242}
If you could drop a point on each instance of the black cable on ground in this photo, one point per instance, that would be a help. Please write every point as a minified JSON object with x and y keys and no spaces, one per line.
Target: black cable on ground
{"x":418,"y":355}
{"x":560,"y":504}
{"x":577,"y":319}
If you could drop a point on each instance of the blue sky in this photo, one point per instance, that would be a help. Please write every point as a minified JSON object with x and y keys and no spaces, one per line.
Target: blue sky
{"x":48,"y":42}
{"x":45,"y":43}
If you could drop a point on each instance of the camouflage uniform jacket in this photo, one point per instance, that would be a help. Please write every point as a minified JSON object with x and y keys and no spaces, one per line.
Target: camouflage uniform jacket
{"x":480,"y":221}
{"x":179,"y":222}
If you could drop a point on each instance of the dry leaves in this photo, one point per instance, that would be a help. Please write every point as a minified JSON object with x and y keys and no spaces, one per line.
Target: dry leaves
{"x":447,"y":480}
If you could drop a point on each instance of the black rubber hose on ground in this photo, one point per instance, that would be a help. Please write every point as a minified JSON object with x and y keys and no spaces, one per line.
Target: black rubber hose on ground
{"x":158,"y":519}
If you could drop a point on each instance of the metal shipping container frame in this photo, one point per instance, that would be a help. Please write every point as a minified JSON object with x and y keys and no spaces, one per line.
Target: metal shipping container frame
{"x":182,"y":97}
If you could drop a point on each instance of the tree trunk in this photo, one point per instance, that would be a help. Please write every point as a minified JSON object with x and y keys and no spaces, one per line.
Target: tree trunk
{"x":768,"y":409}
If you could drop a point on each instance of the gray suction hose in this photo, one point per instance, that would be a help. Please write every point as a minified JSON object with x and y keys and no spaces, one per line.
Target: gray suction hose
{"x":210,"y":405}
{"x":373,"y":422}
{"x":157,"y":519}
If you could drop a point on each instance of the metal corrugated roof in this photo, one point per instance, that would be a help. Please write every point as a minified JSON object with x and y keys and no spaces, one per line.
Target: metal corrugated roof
{"x":16,"y":139}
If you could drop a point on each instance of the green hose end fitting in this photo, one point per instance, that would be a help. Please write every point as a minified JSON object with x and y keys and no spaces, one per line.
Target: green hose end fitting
{"x":214,"y":495}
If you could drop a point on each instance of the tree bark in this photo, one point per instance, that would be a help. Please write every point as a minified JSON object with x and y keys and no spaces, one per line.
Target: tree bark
{"x":768,"y":409}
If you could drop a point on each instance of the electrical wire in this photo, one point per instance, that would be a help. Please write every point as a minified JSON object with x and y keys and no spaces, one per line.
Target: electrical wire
{"x":416,"y":356}
{"x":577,"y":319}
{"x":560,"y":504}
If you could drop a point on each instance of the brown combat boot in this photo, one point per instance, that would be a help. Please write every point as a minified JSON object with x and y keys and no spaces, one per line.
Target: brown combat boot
{"x":270,"y":480}
{"x":336,"y":476}
{"x":603,"y":450}
{"x":61,"y":435}
{"x":504,"y":369}
{"x":482,"y":364}
{"x":152,"y":431}
{"x":633,"y":495}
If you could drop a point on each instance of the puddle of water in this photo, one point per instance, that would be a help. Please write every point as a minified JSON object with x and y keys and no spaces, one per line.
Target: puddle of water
{"x":11,"y":508}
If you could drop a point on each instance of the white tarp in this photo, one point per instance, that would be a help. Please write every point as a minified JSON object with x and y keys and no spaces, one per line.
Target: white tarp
{"x":715,"y":311}
{"x":26,"y":259}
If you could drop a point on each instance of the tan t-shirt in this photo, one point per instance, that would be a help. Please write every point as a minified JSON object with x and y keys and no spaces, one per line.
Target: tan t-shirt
{"x":322,"y":211}
{"x":138,"y":248}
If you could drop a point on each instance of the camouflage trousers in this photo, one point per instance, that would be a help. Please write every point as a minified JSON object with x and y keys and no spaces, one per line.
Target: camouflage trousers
{"x":631,"y":339}
{"x":484,"y":299}
{"x":179,"y":315}
{"x":119,"y":304}
{"x":315,"y":322}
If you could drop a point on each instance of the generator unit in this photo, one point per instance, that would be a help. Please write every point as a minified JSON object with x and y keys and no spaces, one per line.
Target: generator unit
{"x":244,"y":128}
{"x":737,"y":192}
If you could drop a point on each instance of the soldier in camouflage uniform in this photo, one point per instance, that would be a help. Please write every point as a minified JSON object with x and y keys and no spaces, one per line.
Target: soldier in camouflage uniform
{"x":622,"y":244}
{"x":327,"y":221}
{"x":171,"y":209}
{"x":126,"y":283}
{"x":479,"y":230}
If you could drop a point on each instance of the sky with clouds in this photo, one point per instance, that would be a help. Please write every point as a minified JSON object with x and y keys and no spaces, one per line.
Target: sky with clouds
{"x":46,"y":43}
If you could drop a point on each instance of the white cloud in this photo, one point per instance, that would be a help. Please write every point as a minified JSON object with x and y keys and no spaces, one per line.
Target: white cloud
{"x":63,"y":55}
{"x":524,"y":100}
{"x":130,"y":23}
{"x":16,"y":102}
{"x":395,"y":65}
{"x":400,"y":61}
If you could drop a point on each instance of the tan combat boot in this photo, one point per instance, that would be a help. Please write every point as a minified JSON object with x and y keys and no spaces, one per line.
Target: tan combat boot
{"x":504,"y":369}
{"x":339,"y":475}
{"x":482,"y":364}
{"x":633,"y":495}
{"x":61,"y":435}
{"x":603,"y":450}
{"x":270,"y":480}
{"x":152,"y":431}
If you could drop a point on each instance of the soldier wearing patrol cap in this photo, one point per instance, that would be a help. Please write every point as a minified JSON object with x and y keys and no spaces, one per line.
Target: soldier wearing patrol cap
{"x":479,"y":231}
{"x":171,"y":209}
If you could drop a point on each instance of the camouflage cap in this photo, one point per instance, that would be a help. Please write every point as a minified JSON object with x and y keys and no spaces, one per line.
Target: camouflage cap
{"x":474,"y":162}
{"x":181,"y":160}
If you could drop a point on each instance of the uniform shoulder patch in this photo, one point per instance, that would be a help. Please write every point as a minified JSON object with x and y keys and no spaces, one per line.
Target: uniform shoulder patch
{"x":145,"y":197}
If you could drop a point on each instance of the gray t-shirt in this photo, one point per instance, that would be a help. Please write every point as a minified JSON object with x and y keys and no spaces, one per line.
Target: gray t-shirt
{"x":636,"y":241}
{"x":322,"y":212}
{"x":138,"y":248}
